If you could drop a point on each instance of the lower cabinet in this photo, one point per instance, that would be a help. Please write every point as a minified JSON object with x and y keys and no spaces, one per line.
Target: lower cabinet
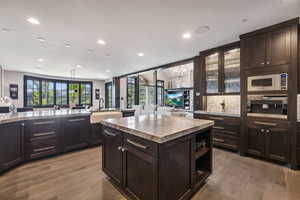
{"x":96,"y":136}
{"x":268,"y":139}
{"x":112,"y":156}
{"x":146,"y":170}
{"x":76,"y":132}
{"x":11,"y":145}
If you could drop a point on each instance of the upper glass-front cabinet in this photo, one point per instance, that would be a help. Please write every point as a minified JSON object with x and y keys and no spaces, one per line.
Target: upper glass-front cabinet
{"x":232,"y":71}
{"x":222,"y":71}
{"x":212,"y":73}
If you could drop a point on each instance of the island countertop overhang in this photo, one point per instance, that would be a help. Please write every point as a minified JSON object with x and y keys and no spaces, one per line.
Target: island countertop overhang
{"x":158,"y":128}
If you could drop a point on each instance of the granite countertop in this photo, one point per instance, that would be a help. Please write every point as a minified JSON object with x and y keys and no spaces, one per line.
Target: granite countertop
{"x":276,"y":116}
{"x":21,"y":116}
{"x":158,"y":128}
{"x":228,"y":114}
{"x":112,"y":110}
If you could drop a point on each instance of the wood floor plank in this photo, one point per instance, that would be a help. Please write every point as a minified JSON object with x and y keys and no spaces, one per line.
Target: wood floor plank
{"x":78,"y":176}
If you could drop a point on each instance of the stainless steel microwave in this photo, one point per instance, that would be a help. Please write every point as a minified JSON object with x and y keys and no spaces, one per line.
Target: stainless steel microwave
{"x":272,"y":82}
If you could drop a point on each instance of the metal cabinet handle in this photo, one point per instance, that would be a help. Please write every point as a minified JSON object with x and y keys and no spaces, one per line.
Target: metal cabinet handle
{"x":106,"y":132}
{"x":218,"y":127}
{"x":136,"y":144}
{"x":217,"y":118}
{"x":44,"y":149}
{"x":123,"y":149}
{"x":262,"y":63}
{"x":119,"y":148}
{"x":262,"y":130}
{"x":268,"y":62}
{"x":76,"y":120}
{"x":265,"y":123}
{"x":42,"y":123}
{"x":22,"y":124}
{"x":218,"y":140}
{"x":44,"y":134}
{"x":267,"y":131}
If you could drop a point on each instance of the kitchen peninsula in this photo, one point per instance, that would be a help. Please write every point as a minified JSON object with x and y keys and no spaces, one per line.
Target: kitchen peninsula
{"x":157,"y":156}
{"x":26,"y":136}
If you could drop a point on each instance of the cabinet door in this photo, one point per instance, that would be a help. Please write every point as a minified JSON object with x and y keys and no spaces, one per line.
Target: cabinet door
{"x":140,"y":176}
{"x":278,"y":47}
{"x":76,"y":132}
{"x":277,"y":144}
{"x":255,"y":51}
{"x":212,"y":73}
{"x":112,"y":154}
{"x":11,"y":144}
{"x":256,"y":140}
{"x":96,"y":134}
{"x":232,"y":71}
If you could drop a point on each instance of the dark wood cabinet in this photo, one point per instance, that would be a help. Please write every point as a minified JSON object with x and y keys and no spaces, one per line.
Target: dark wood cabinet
{"x":269,"y":140}
{"x":265,"y":49}
{"x":256,"y":140}
{"x":255,"y":50}
{"x":113,"y":156}
{"x":96,"y":136}
{"x":11,"y":145}
{"x":76,"y":131}
{"x":221,"y":69}
{"x":225,"y":131}
{"x":139,"y":172}
{"x":147,"y":170}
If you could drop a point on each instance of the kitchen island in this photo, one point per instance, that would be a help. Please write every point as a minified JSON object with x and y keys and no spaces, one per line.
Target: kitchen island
{"x":157,"y":157}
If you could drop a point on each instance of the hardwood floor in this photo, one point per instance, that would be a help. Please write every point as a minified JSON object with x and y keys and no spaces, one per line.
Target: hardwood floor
{"x":78,"y":176}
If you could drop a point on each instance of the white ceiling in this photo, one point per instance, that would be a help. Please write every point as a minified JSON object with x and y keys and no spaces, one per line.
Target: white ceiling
{"x":154,"y":27}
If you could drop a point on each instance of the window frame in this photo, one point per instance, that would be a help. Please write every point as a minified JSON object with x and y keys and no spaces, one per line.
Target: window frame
{"x":40,"y":79}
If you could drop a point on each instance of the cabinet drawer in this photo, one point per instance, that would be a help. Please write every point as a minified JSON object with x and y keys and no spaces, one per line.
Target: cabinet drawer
{"x":41,"y":128}
{"x":140,"y":144}
{"x":219,"y":139}
{"x":274,"y":124}
{"x":41,"y":148}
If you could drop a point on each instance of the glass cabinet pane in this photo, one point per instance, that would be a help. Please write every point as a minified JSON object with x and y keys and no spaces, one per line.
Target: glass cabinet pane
{"x":212,"y":73}
{"x":232,"y":70}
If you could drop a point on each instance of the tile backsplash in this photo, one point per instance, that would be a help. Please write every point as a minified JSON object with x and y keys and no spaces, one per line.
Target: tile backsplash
{"x":232,"y":103}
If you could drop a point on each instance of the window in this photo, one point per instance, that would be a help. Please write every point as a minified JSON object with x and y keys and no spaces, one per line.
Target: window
{"x":74,"y":93}
{"x":131,"y":83}
{"x":47,"y":93}
{"x":86,"y":94}
{"x":108,"y":95}
{"x":62,"y":93}
{"x":33,"y":92}
{"x":40,"y":92}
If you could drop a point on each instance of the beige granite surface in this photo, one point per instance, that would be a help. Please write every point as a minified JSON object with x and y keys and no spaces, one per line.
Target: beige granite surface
{"x":158,"y":128}
{"x":228,"y":114}
{"x":15,"y":117}
{"x":276,"y":116}
{"x":97,"y":117}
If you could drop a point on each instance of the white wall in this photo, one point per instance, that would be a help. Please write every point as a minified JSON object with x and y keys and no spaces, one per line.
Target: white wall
{"x":14,"y":77}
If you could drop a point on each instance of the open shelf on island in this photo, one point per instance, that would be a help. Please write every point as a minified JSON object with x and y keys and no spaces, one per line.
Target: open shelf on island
{"x":201,"y":152}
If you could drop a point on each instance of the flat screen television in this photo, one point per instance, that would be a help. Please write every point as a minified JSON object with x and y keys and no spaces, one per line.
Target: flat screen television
{"x":174,"y":99}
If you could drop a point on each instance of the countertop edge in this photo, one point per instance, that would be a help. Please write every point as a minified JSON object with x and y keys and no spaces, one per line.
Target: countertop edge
{"x":152,"y":138}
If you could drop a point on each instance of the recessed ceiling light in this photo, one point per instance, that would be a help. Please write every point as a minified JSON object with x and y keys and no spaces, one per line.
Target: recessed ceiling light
{"x":186,"y":36}
{"x":33,"y":21}
{"x":107,"y":71}
{"x":79,"y":66}
{"x":202,"y":29}
{"x":140,"y":54}
{"x":67,"y":45}
{"x":40,"y":60}
{"x":244,"y":20}
{"x":102,"y":42}
{"x":41,"y":39}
